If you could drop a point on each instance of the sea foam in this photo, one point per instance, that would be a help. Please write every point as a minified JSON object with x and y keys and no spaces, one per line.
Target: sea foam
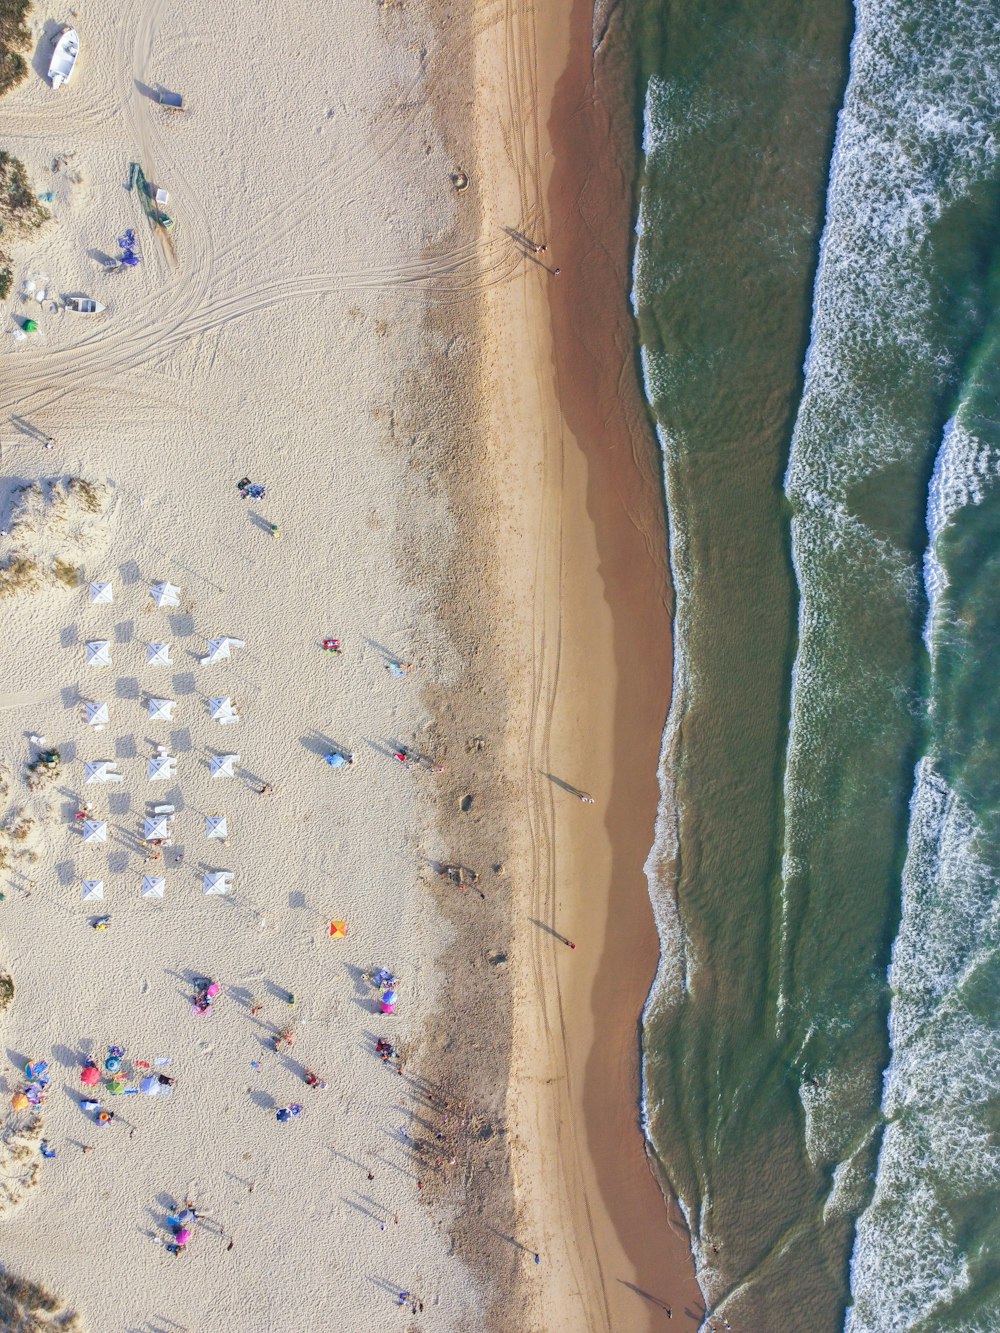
{"x":943,"y":1077}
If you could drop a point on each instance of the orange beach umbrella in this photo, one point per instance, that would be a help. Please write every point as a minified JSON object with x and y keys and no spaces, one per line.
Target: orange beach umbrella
{"x":338,"y":930}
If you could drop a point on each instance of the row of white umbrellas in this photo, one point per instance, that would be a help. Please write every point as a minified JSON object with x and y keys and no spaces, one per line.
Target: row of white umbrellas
{"x":155,"y":827}
{"x":163,"y":594}
{"x":221,"y":710}
{"x":154,"y":886}
{"x":161,"y":768}
{"x":98,"y":652}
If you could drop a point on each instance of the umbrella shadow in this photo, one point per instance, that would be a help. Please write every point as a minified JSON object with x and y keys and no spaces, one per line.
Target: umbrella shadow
{"x":646,"y":1295}
{"x":578,"y":792}
{"x":318,"y":744}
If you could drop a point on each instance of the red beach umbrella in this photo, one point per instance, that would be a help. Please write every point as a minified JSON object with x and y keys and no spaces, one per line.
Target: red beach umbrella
{"x":90,"y":1075}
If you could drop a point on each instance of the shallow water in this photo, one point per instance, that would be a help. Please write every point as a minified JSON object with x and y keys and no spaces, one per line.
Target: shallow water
{"x":815,"y":285}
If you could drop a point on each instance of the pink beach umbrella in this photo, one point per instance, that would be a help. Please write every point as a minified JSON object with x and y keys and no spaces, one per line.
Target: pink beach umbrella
{"x":182,"y":1236}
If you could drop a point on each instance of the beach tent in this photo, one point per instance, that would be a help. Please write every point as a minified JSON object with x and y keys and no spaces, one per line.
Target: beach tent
{"x":218,"y":881}
{"x":98,"y":716}
{"x":216,"y":826}
{"x":222,"y":711}
{"x":165,"y":594}
{"x":101,"y":770}
{"x":98,"y":653}
{"x":223,"y":765}
{"x":157,"y":826}
{"x":102,"y":593}
{"x":338,"y":930}
{"x":219,"y":648}
{"x":153,"y":886}
{"x":338,"y":760}
{"x":95,"y":830}
{"x":158,"y":654}
{"x":161,"y":710}
{"x":162,"y":768}
{"x":93,"y":890}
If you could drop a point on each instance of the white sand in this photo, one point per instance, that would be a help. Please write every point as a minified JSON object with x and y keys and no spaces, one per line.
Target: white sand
{"x":273,"y":344}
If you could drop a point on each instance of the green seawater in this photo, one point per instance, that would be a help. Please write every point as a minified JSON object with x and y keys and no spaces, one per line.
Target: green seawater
{"x":816,"y":285}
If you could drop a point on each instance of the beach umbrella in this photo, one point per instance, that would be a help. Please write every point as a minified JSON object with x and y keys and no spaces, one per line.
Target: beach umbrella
{"x":182,"y":1235}
{"x":216,"y":826}
{"x":161,"y":768}
{"x":156,"y":826}
{"x":153,"y":886}
{"x":219,"y":649}
{"x":30,"y":326}
{"x":113,"y":1063}
{"x":161,"y":710}
{"x":151,"y":1086}
{"x":218,"y":881}
{"x":338,"y":930}
{"x":101,"y":770}
{"x":165,"y":594}
{"x":36,"y":1071}
{"x":158,"y":654}
{"x":98,"y":652}
{"x":90,"y":1075}
{"x":19,"y":1102}
{"x":337,"y":760}
{"x":116,"y":1086}
{"x":95,"y":830}
{"x":93,"y":890}
{"x":102,"y":593}
{"x":97,"y":715}
{"x":223,"y":765}
{"x":222,"y":711}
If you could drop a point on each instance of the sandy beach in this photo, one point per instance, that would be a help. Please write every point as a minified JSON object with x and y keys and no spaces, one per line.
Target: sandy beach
{"x":458,"y":478}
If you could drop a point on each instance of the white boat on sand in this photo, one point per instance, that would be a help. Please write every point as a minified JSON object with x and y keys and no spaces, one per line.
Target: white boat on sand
{"x":83,"y":305}
{"x":64,"y":57}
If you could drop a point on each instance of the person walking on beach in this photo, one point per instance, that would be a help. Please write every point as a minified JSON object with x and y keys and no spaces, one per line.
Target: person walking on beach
{"x":582,"y":796}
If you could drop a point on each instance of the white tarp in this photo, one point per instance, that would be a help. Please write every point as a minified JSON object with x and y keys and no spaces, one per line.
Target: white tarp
{"x":218,"y":881}
{"x":156,"y":827}
{"x":102,"y":593}
{"x":161,"y":710}
{"x":216,"y":826}
{"x":95,"y":830}
{"x":97,"y":715}
{"x":99,"y":653}
{"x":223,"y":765}
{"x":219,"y":648}
{"x":153,"y":886}
{"x":165,"y":594}
{"x":93,"y":890}
{"x":158,"y":654}
{"x":223,"y":711}
{"x":101,"y":770}
{"x":162,"y":768}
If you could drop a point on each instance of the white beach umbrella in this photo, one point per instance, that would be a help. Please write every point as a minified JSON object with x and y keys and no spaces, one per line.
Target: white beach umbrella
{"x":161,"y":710}
{"x":165,"y":594}
{"x":218,"y":881}
{"x":158,"y":654}
{"x":98,"y":652}
{"x":97,"y":715}
{"x":93,"y":890}
{"x":95,"y":830}
{"x":222,"y":711}
{"x":216,"y":826}
{"x":219,"y":648}
{"x":101,"y":770}
{"x":157,"y":826}
{"x":223,"y":765}
{"x":102,"y":593}
{"x":161,"y":768}
{"x":153,"y":886}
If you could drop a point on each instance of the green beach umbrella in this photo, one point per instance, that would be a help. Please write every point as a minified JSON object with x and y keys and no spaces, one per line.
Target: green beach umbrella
{"x":116,"y":1085}
{"x":30,"y":326}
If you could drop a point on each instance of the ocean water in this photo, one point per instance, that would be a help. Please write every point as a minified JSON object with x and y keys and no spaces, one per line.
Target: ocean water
{"x":817,"y":297}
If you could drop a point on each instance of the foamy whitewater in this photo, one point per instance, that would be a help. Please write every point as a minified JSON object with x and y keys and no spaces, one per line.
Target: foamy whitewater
{"x":821,"y":1041}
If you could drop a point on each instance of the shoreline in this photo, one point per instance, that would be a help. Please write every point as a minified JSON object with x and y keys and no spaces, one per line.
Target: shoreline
{"x":585,"y":514}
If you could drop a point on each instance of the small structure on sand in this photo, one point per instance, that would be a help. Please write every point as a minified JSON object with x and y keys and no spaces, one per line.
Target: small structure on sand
{"x":102,"y":593}
{"x":165,"y":594}
{"x":158,"y":654}
{"x":98,"y":653}
{"x":223,"y":765}
{"x":218,"y":881}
